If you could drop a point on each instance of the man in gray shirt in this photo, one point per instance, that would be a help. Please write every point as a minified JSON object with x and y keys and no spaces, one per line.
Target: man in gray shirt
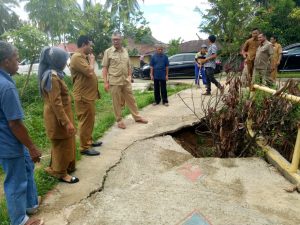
{"x":210,"y":65}
{"x":262,"y":63}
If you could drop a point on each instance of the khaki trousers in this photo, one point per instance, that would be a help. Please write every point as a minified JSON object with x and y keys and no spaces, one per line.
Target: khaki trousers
{"x":62,"y":157}
{"x":85,"y":111}
{"x":262,"y":77}
{"x":120,"y":93}
{"x":275,"y":71}
{"x":250,"y":67}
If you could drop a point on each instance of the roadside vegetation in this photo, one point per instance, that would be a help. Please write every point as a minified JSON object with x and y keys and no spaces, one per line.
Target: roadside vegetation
{"x":33,"y":109}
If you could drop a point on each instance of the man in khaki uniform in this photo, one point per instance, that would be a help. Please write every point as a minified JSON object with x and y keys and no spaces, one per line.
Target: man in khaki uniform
{"x":276,"y":57}
{"x":249,"y":51}
{"x":262,"y":63}
{"x":117,"y":79}
{"x":85,"y":92}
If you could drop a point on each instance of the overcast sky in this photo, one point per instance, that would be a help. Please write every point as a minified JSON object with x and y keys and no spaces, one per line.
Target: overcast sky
{"x":168,"y":19}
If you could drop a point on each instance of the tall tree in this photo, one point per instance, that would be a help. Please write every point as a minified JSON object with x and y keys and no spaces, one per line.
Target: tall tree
{"x":122,"y":9}
{"x":96,"y":22}
{"x":53,"y":16}
{"x":8,"y":18}
{"x":280,"y":19}
{"x":29,"y":40}
{"x":229,"y":21}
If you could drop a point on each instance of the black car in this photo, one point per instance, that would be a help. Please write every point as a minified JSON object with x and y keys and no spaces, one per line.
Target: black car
{"x":290,"y":60}
{"x":181,"y":66}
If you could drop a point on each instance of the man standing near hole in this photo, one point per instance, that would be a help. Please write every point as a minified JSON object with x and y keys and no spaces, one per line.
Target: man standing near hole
{"x":117,"y":79}
{"x":85,"y":92}
{"x":210,"y":65}
{"x":159,"y":73}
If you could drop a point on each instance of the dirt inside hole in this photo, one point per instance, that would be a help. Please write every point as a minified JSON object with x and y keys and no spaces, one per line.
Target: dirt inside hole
{"x":197,"y":140}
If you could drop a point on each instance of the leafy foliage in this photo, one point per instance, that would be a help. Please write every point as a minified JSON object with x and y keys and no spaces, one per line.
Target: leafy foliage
{"x":53,"y":17}
{"x":174,"y":46}
{"x":229,"y":20}
{"x":9,"y":19}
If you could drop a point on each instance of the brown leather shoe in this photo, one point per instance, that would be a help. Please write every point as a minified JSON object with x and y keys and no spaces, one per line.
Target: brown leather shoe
{"x":121,"y":125}
{"x":142,"y":120}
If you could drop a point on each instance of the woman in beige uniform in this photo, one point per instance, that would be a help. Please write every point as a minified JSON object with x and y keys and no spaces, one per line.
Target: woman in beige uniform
{"x":58,"y":116}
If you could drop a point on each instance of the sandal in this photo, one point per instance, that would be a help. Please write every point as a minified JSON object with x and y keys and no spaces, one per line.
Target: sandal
{"x":72,"y":181}
{"x":34,"y":221}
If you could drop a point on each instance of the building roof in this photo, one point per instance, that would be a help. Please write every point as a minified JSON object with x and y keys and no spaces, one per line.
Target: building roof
{"x":69,"y":47}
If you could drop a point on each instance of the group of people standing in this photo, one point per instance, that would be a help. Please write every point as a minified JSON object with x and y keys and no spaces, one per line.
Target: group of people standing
{"x":18,"y":152}
{"x":262,"y":58}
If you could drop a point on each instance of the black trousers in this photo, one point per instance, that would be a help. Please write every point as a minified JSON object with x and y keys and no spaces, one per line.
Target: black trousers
{"x":160,"y":91}
{"x":210,"y":76}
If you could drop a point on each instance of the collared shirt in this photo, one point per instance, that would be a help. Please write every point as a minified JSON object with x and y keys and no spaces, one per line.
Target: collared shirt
{"x":10,"y":109}
{"x":85,"y":87}
{"x":212,"y":49}
{"x":117,"y":63}
{"x":277,"y":52}
{"x":250,"y":47}
{"x":159,"y":62}
{"x":263,"y":56}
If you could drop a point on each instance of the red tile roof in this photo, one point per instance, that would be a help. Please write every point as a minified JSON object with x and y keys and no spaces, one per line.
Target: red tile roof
{"x":69,"y":47}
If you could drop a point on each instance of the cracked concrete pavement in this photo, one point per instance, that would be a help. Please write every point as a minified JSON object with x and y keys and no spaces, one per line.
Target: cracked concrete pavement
{"x":144,"y":177}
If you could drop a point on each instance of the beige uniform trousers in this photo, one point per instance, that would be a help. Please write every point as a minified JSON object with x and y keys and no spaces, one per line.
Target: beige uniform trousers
{"x":262,"y":77}
{"x":275,"y":71}
{"x":62,"y":157}
{"x":250,"y":68}
{"x":85,"y":111}
{"x":120,"y":93}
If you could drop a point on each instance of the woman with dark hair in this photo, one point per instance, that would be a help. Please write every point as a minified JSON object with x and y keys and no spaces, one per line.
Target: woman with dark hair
{"x":58,"y":114}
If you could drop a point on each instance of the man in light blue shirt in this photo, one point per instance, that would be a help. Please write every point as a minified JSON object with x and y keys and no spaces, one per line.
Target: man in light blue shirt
{"x":210,"y":65}
{"x":17,"y":152}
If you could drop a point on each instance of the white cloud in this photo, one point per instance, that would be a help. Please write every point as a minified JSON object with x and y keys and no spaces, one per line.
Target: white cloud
{"x":169,"y":19}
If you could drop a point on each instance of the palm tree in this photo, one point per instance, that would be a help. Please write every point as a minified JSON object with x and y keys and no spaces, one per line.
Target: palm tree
{"x":7,"y":16}
{"x":122,"y":8}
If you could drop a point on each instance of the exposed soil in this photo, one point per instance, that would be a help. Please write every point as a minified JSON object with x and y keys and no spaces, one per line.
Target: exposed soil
{"x":196,"y":140}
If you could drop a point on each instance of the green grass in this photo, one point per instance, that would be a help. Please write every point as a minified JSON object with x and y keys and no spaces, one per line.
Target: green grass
{"x":289,"y":75}
{"x":33,"y":109}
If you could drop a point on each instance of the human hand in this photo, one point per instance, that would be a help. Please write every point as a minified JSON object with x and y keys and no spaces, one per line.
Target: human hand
{"x":151,"y":76}
{"x":106,"y":86}
{"x":35,"y":154}
{"x":91,"y":57}
{"x":70,"y":128}
{"x":167,"y":77}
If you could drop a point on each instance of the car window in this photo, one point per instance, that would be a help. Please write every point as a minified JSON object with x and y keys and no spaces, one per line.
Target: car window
{"x":176,"y":58}
{"x":189,"y":57}
{"x":294,"y":50}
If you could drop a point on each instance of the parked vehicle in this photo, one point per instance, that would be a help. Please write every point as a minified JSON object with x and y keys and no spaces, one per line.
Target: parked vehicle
{"x":181,"y":66}
{"x":25,"y":64}
{"x":290,"y":60}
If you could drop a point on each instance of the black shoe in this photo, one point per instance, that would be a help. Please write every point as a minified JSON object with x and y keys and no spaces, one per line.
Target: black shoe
{"x":97,"y":144}
{"x":72,"y":181}
{"x":90,"y":152}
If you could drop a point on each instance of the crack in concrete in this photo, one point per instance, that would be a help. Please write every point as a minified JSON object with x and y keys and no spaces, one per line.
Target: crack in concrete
{"x":101,"y":188}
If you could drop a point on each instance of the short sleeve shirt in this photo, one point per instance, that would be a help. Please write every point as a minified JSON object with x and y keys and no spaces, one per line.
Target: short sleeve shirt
{"x":212,"y":49}
{"x":263,"y":56}
{"x":117,"y":63}
{"x":10,"y":109}
{"x":250,"y":47}
{"x":85,"y":87}
{"x":159,"y":62}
